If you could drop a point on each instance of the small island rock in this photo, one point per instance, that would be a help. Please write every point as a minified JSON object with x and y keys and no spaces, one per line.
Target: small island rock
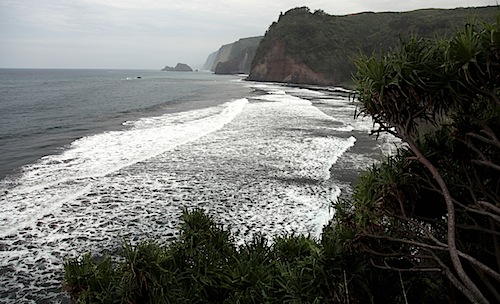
{"x":180,"y":67}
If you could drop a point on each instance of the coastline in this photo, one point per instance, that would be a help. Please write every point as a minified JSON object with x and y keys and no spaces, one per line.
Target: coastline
{"x":268,"y":170}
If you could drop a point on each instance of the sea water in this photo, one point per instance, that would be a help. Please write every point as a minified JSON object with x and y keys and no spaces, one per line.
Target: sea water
{"x":91,"y":158}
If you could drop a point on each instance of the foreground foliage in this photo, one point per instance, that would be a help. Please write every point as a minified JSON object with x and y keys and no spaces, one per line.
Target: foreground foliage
{"x":204,"y":266}
{"x":435,"y":207}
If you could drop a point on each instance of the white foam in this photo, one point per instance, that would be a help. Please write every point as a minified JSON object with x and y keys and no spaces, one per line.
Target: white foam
{"x":58,"y":178}
{"x":340,"y":89}
{"x":260,"y":166}
{"x":302,"y":92}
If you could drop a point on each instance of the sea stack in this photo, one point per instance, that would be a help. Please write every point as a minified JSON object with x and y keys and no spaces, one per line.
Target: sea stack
{"x":180,"y":67}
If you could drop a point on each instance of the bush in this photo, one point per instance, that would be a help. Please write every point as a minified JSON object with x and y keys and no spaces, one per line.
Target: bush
{"x":204,"y":266}
{"x":434,"y":207}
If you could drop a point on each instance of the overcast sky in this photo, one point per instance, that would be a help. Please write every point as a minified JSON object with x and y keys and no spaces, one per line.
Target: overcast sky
{"x":149,"y":34}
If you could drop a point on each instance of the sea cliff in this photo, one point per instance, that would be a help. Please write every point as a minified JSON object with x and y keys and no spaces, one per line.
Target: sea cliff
{"x":307,"y":47}
{"x":278,"y":66}
{"x":233,"y":58}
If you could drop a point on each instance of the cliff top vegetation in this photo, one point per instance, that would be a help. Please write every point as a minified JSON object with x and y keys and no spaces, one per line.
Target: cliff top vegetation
{"x":329,"y":44}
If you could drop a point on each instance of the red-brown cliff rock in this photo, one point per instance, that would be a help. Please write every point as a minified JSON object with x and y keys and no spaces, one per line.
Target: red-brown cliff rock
{"x":277,"y":66}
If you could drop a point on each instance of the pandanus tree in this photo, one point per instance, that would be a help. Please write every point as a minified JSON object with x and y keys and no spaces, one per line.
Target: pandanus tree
{"x":435,"y":206}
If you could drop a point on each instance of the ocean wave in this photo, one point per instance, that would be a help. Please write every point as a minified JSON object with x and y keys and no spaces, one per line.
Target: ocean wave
{"x":260,"y":164}
{"x":56,"y":178}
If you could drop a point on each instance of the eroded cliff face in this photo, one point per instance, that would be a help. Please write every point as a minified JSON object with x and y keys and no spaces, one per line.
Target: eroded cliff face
{"x":276,"y":66}
{"x":233,"y":58}
{"x":210,"y":62}
{"x":223,"y":55}
{"x":238,"y":65}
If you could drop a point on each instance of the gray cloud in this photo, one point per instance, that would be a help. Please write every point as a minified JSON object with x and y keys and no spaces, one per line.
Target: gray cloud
{"x":150,"y":33}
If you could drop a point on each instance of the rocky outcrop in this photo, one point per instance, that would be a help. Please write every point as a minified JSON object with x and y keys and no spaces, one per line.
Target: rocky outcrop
{"x":233,"y":58}
{"x":276,"y":66}
{"x":180,"y":67}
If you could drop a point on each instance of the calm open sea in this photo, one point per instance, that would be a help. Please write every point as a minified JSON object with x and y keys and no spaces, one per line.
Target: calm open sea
{"x":91,"y":157}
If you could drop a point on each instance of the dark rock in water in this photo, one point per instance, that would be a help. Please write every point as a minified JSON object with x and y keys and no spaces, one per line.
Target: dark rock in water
{"x":180,"y":67}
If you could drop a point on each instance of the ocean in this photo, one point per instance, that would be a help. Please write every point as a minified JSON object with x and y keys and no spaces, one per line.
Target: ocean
{"x":90,"y":158}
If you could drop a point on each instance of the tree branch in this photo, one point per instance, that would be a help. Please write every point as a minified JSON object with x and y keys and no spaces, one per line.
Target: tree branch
{"x":489,"y":206}
{"x":481,"y":212}
{"x":409,"y":242}
{"x":493,"y":141}
{"x":480,"y":265}
{"x":455,"y":281}
{"x":476,"y":228}
{"x":423,"y":269}
{"x":451,"y":221}
{"x":487,"y":163}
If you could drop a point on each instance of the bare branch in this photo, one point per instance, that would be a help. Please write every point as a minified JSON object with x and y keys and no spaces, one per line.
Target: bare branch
{"x":492,"y":288}
{"x":455,"y":281}
{"x":383,"y":255}
{"x":491,"y":95}
{"x":474,"y":210}
{"x":487,"y":163}
{"x":493,"y":141}
{"x":409,"y":242}
{"x":489,"y":206}
{"x":451,"y":221}
{"x":403,"y":287}
{"x":480,"y":265}
{"x":423,"y":229}
{"x":422,"y":269}
{"x":477,"y":228}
